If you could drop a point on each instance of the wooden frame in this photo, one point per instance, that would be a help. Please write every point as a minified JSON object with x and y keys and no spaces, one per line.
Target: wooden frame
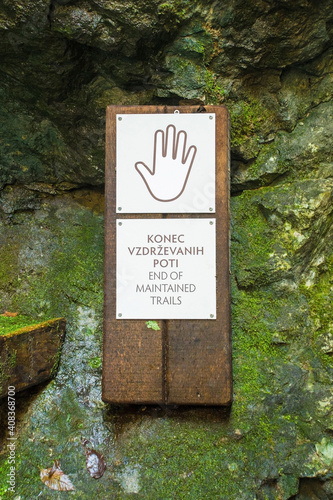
{"x":186,"y":361}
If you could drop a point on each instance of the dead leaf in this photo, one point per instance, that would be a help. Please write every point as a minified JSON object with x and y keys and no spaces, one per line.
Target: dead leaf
{"x":55,"y":479}
{"x":9,"y":314}
{"x":95,"y":462}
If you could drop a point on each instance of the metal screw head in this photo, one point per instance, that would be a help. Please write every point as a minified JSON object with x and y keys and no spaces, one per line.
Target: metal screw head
{"x":176,"y":111}
{"x":119,"y":315}
{"x":211,"y":117}
{"x":120,"y":209}
{"x":211,"y":222}
{"x":210,"y":209}
{"x":119,"y":118}
{"x":212,"y":315}
{"x":120,"y":223}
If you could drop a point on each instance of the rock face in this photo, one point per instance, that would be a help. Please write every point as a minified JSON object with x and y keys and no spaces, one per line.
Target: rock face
{"x":271,"y":64}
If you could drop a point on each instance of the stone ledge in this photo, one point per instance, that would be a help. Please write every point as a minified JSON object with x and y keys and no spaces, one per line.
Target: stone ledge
{"x":30,"y":355}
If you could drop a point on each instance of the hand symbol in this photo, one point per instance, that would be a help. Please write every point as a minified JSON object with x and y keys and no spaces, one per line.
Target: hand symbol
{"x":171,"y":165}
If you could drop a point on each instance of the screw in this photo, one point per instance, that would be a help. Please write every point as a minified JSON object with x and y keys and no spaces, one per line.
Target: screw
{"x":119,"y":315}
{"x":212,"y":315}
{"x":120,"y":223}
{"x":119,"y":118}
{"x":211,"y":222}
{"x":210,"y":209}
{"x":211,"y":117}
{"x":119,"y":208}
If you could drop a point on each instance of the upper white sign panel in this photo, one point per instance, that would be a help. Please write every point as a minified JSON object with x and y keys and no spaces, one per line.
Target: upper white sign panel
{"x":166,"y":163}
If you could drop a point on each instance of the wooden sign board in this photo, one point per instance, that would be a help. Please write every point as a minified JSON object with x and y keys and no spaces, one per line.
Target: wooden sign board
{"x":167,"y":292}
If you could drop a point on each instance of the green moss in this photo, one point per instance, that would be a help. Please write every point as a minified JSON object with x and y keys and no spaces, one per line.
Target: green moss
{"x":173,"y":12}
{"x":8,"y":266}
{"x":247,"y":118}
{"x":214,"y":93}
{"x":320,"y":298}
{"x":95,"y":362}
{"x":36,"y":450}
{"x":193,"y":43}
{"x":254,"y":319}
{"x":188,"y":76}
{"x":4,"y":485}
{"x":193,"y":458}
{"x":73,"y":275}
{"x":179,"y":64}
{"x":10,"y":324}
{"x":254,"y":240}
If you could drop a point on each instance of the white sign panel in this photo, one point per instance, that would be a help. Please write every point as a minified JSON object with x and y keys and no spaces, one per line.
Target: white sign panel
{"x":166,"y":269}
{"x":166,"y":163}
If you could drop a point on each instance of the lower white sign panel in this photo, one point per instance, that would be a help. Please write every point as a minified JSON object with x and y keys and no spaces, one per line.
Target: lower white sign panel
{"x":166,"y":269}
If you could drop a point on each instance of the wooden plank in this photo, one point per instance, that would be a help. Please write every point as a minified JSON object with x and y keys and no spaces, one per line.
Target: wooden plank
{"x":199,"y":367}
{"x":186,"y":362}
{"x":30,"y":355}
{"x":133,"y":354}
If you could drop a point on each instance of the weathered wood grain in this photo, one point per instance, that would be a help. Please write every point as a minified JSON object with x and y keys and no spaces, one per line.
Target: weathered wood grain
{"x":199,"y":351}
{"x":133,"y":354}
{"x":30,"y":355}
{"x":187,"y":361}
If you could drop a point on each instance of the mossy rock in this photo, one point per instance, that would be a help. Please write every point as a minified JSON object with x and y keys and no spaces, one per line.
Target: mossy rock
{"x":29,"y":353}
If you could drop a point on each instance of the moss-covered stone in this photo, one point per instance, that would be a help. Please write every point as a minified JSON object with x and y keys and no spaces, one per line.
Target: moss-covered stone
{"x":281,"y":374}
{"x":10,"y":323}
{"x":304,"y":152}
{"x":188,"y":78}
{"x":29,"y":352}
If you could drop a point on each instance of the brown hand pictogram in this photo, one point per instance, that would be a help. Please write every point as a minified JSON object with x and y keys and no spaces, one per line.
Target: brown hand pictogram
{"x":172,"y":165}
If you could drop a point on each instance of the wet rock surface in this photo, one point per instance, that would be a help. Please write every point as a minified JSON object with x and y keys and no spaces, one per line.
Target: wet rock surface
{"x":271,"y":64}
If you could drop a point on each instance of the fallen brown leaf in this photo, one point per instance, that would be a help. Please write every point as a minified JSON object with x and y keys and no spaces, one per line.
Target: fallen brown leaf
{"x":9,"y":314}
{"x":55,"y":479}
{"x":95,"y":462}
